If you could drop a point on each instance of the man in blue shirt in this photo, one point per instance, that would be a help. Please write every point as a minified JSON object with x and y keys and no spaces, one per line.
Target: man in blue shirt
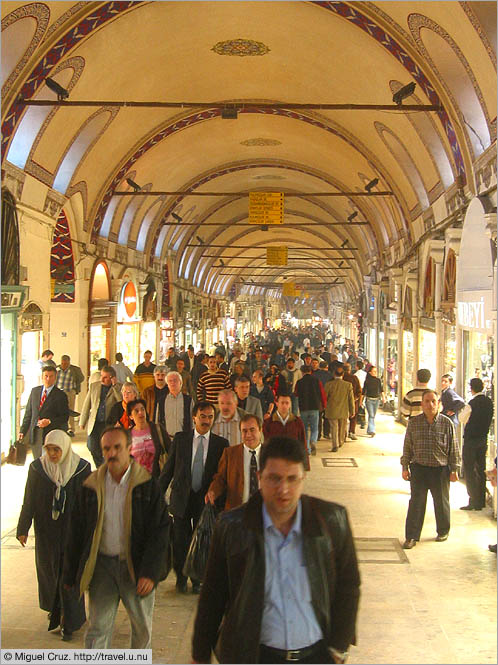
{"x":282,"y":581}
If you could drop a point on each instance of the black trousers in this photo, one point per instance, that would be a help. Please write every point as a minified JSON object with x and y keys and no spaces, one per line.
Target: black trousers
{"x":183,"y":528}
{"x":319,"y":655}
{"x":474,"y":463}
{"x":93,"y":443}
{"x":437,"y":481}
{"x":323,"y":426}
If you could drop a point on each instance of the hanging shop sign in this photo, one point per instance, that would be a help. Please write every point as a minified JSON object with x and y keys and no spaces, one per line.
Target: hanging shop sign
{"x":474,"y":310}
{"x":288,"y":289}
{"x":130,"y":299}
{"x":276,"y":256}
{"x":128,"y":310}
{"x":266,"y":207}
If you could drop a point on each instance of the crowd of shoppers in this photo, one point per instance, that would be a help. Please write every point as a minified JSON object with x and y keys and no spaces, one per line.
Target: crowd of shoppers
{"x":224,"y":429}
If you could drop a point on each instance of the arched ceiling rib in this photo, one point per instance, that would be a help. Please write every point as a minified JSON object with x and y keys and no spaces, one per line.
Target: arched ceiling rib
{"x":310,"y":52}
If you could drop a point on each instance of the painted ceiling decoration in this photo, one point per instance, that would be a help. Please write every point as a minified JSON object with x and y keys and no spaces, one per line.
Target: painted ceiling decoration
{"x":186,"y":160}
{"x":260,"y":142}
{"x":240,"y":47}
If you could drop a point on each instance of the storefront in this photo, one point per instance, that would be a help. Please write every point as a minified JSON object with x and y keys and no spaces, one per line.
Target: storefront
{"x":99,"y":316}
{"x":476,"y":306}
{"x":391,"y":356}
{"x":12,"y":301}
{"x":13,"y":298}
{"x":148,"y":331}
{"x":128,"y":325}
{"x":449,"y":348}
{"x":167,"y":338}
{"x":448,"y":316}
{"x":31,"y":329}
{"x":372,"y":346}
{"x":427,"y":350}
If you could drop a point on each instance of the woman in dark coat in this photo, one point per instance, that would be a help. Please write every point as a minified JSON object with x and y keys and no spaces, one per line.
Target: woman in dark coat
{"x":51,"y":487}
{"x":118,"y":415}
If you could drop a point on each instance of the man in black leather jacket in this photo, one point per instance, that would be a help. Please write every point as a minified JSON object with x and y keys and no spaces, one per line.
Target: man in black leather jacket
{"x":282,"y":578}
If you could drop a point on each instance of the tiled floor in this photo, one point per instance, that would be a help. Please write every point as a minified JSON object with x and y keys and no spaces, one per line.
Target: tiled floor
{"x":435,"y":603}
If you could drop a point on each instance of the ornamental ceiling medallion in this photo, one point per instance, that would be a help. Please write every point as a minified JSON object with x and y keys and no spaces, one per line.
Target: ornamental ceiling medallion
{"x":240,"y":47}
{"x":258,"y":142}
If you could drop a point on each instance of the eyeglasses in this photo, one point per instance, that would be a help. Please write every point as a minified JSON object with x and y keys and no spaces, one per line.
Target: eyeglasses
{"x":275,"y":481}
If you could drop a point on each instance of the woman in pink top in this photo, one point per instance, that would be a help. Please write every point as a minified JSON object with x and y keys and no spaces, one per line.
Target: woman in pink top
{"x":149,"y":441}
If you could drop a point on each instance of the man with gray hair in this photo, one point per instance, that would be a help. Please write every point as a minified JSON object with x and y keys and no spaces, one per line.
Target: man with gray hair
{"x":155,"y":395}
{"x":97,"y":406}
{"x":226,"y":423}
{"x":177,"y":406}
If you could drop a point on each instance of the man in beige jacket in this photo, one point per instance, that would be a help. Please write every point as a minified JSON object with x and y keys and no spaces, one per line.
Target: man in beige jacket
{"x":340,"y":407}
{"x":100,"y":399}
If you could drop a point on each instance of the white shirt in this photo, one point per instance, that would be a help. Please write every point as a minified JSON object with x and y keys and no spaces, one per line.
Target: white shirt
{"x":361,"y":375}
{"x":195,"y":443}
{"x":247,"y":469}
{"x":112,"y":541}
{"x":465,"y":413}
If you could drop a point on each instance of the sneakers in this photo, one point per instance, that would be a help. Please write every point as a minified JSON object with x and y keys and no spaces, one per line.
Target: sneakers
{"x":353,"y":437}
{"x":313,"y":449}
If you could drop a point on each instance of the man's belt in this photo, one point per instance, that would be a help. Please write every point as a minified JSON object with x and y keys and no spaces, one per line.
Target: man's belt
{"x":293,"y":655}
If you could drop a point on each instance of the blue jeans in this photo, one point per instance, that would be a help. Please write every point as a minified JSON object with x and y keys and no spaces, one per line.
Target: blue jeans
{"x":371,"y":405}
{"x":310,"y":420}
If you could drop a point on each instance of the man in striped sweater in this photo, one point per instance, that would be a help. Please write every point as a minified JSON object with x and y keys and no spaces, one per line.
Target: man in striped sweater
{"x":412,"y":402}
{"x":212,"y":382}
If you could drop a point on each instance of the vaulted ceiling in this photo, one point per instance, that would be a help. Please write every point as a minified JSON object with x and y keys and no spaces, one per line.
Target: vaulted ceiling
{"x":271,"y":56}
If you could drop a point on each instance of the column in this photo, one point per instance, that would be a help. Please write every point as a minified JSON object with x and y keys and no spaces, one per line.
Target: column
{"x":491,"y":231}
{"x":412,"y":282}
{"x":397,"y":276}
{"x":437,"y":254}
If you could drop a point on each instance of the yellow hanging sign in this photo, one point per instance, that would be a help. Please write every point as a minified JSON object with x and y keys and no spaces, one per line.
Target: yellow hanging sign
{"x":288,"y":289}
{"x":276,"y":256}
{"x":266,"y":208}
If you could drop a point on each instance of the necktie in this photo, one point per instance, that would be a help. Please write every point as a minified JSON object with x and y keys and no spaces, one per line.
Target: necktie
{"x":198,"y":466}
{"x":43,"y":398}
{"x":253,"y":479}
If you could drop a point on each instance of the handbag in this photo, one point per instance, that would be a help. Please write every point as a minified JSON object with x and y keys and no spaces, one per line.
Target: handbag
{"x":17,"y":453}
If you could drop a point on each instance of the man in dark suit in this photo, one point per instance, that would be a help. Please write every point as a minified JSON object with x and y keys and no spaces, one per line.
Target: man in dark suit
{"x":47,"y":409}
{"x":236,"y":478}
{"x":451,"y":401}
{"x":192,"y":462}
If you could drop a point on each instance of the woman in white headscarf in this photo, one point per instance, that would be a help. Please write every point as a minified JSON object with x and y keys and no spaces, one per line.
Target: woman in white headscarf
{"x":51,"y":487}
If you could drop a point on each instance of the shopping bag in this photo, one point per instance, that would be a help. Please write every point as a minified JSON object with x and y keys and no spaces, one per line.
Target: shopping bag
{"x":195,"y":563}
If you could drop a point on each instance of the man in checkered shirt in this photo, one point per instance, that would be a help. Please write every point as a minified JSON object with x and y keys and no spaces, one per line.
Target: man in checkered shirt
{"x":430,"y":461}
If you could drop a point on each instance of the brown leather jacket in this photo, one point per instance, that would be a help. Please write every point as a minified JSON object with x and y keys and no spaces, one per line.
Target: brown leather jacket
{"x":234,"y":582}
